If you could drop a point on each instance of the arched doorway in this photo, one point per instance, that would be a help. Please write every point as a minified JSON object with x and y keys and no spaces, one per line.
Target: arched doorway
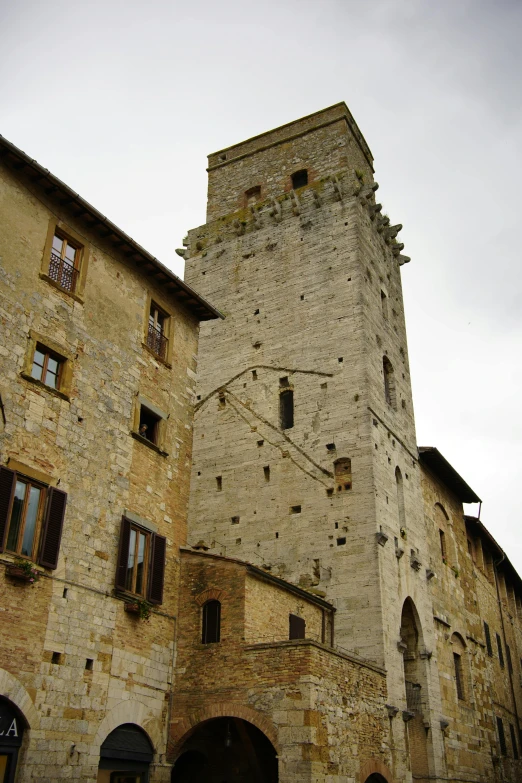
{"x":12,"y":726}
{"x":415,"y":682}
{"x":125,"y":756}
{"x":226,"y":750}
{"x":376,"y":778}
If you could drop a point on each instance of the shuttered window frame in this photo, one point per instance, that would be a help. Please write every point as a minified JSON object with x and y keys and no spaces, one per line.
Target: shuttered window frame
{"x":156,"y":565}
{"x":50,"y":534}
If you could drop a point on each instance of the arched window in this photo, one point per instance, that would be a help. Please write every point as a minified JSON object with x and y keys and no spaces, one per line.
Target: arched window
{"x":400,"y":498}
{"x":459,"y":650}
{"x":126,"y":754}
{"x":389,"y":382}
{"x":211,"y":631}
{"x":343,"y":474}
{"x":444,"y":534}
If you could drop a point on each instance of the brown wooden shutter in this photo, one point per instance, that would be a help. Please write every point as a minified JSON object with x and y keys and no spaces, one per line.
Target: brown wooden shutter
{"x":157,"y":569}
{"x":52,"y":528}
{"x":297,"y":627}
{"x":123,"y":554}
{"x":7,"y":486}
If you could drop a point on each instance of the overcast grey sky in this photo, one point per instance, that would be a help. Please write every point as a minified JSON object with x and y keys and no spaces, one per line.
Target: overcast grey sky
{"x":124,"y":100}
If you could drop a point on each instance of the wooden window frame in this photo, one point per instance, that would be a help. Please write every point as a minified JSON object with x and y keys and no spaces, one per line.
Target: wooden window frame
{"x":154,"y":570}
{"x":72,"y":238}
{"x":155,"y":303}
{"x":48,"y":354}
{"x":49,"y":520}
{"x":160,"y":428}
{"x":139,"y":531}
{"x":54,"y":350}
{"x":296,"y":627}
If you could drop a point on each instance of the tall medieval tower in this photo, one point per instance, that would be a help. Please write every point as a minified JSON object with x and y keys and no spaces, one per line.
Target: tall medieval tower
{"x":305,"y":455}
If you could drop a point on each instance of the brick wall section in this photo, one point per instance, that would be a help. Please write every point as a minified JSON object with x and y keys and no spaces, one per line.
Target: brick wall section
{"x":306,"y":698}
{"x":85,"y":444}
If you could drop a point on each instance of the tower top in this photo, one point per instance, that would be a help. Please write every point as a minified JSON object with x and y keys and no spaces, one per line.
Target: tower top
{"x":323,"y":144}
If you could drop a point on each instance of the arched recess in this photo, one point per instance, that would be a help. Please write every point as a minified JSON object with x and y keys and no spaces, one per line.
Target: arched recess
{"x":183,"y":729}
{"x":13,"y":690}
{"x":415,"y":660}
{"x":226,"y":748}
{"x":125,"y":755}
{"x":460,"y":667}
{"x":375,"y":771}
{"x":131,"y":711}
{"x":444,"y":533}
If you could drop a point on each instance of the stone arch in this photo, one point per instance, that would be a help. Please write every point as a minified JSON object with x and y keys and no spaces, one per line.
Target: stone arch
{"x":13,"y":690}
{"x":131,"y":711}
{"x":182,"y":730}
{"x":374,"y":767}
{"x":210,"y":594}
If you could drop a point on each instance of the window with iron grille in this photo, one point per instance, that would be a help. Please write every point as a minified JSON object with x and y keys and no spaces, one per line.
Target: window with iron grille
{"x":501,"y":737}
{"x":64,"y":264}
{"x":487,"y":634}
{"x":157,"y":339}
{"x":500,"y":651}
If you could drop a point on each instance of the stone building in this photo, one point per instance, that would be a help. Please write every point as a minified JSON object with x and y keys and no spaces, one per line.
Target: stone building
{"x":327,"y":613}
{"x":306,"y":465}
{"x":98,"y":349}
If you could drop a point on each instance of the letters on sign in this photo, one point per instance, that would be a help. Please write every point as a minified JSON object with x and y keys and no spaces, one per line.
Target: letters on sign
{"x":12,"y":731}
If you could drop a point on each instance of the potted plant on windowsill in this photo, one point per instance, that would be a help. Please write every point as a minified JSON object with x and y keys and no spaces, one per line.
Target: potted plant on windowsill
{"x":138,"y":607}
{"x":23,"y":570}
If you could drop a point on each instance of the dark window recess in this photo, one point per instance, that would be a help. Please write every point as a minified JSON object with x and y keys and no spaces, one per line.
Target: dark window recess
{"x":330,"y":446}
{"x":340,"y":360}
{"x":295,"y":509}
{"x":341,"y":541}
{"x":149,"y":425}
{"x":500,"y":651}
{"x":343,"y":474}
{"x":442,"y":537}
{"x":329,"y":492}
{"x":513,"y":740}
{"x":266,"y":471}
{"x":56,"y":658}
{"x":299,"y":179}
{"x":457,"y":661}
{"x":211,"y":630}
{"x":219,"y":483}
{"x":284,"y":381}
{"x":489,"y":646}
{"x":234,"y":520}
{"x":254,"y":375}
{"x":501,"y":737}
{"x":297,"y":627}
{"x":384,"y":304}
{"x":221,"y":400}
{"x":252,"y":195}
{"x":260,"y":443}
{"x":256,"y":312}
{"x":508,"y":656}
{"x":88,"y":664}
{"x":389,"y":382}
{"x":286,"y":409}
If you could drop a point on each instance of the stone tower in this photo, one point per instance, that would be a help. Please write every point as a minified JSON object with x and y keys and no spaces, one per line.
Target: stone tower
{"x":305,"y":455}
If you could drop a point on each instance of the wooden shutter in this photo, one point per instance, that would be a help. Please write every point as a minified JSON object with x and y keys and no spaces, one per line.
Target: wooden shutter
{"x":123,"y":554}
{"x":52,"y":528}
{"x":297,"y":627}
{"x":7,"y":485}
{"x":157,"y":569}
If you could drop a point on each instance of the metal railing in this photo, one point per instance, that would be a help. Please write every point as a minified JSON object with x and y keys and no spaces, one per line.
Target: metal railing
{"x":157,"y":342}
{"x":63,"y":272}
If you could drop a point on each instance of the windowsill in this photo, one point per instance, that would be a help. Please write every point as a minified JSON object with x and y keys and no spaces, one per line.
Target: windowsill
{"x":40,"y":385}
{"x":149,"y":443}
{"x":155,"y":355}
{"x":72,"y":294}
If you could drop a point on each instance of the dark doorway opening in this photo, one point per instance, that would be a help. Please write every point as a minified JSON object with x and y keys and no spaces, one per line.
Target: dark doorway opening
{"x":125,"y":756}
{"x":226,"y":750}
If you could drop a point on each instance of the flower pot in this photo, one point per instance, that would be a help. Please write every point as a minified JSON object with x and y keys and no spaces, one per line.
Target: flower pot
{"x":15,"y":572}
{"x":132,"y":608}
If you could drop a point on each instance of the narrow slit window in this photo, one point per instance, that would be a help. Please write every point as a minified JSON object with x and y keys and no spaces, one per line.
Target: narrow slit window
{"x":219,"y":483}
{"x":266,"y":472}
{"x":442,"y":537}
{"x":489,"y":646}
{"x":500,"y":651}
{"x":384,"y":305}
{"x":389,"y":382}
{"x":343,"y":474}
{"x":457,"y":662}
{"x":286,"y":409}
{"x":501,"y":737}
{"x":211,"y":631}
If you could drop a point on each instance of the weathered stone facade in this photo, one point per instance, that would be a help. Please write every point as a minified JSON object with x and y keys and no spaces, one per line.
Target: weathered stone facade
{"x":72,"y":661}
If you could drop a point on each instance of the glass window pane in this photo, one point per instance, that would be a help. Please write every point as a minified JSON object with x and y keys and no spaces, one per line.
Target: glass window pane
{"x":70,"y":253}
{"x":30,"y":521}
{"x":16,"y":516}
{"x":38,"y":361}
{"x":130,"y":562}
{"x":51,"y":379}
{"x":140,"y":567}
{"x":57,"y":245}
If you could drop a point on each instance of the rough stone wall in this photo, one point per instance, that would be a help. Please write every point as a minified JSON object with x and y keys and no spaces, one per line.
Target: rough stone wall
{"x":310,"y":284}
{"x":464,"y":597}
{"x":84,"y":444}
{"x":306,"y":698}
